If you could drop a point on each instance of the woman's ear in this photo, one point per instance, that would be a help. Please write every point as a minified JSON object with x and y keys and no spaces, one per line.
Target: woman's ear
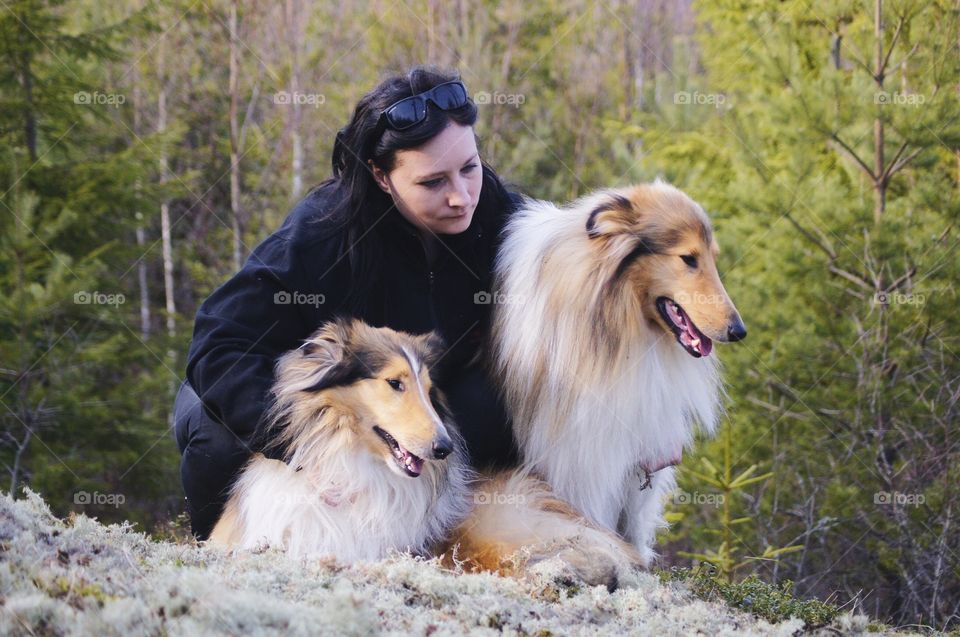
{"x":379,"y":176}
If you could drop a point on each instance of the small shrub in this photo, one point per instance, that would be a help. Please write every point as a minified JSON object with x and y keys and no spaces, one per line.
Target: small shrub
{"x":754,"y":596}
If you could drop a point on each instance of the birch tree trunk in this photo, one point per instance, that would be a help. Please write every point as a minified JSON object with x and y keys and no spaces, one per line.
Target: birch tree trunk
{"x":295,"y":34}
{"x":140,"y":233}
{"x":236,"y":226}
{"x":165,"y":238}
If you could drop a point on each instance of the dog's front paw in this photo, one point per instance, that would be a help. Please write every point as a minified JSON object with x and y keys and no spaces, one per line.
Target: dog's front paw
{"x":593,"y":566}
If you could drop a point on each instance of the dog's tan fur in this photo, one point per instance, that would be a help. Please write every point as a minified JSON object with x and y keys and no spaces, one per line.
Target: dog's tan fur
{"x":603,"y":397}
{"x":520,"y":522}
{"x":350,"y":498}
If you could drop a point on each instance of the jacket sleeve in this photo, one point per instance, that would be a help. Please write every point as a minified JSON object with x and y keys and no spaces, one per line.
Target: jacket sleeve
{"x":240,"y":332}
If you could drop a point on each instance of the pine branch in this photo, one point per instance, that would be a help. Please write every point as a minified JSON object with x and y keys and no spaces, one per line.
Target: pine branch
{"x":853,"y":155}
{"x":881,"y":71}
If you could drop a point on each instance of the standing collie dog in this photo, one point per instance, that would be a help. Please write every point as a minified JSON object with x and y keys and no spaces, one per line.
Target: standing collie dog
{"x":374,"y":463}
{"x":605,"y":359}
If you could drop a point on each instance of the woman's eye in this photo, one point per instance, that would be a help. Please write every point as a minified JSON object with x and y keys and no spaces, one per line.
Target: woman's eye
{"x":433,"y":183}
{"x":690,"y":260}
{"x":396,"y":384}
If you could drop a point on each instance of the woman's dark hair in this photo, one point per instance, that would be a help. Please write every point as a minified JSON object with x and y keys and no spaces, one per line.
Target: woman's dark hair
{"x":359,"y":203}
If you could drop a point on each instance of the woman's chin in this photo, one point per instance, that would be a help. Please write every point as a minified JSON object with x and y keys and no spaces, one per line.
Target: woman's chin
{"x":455,"y":225}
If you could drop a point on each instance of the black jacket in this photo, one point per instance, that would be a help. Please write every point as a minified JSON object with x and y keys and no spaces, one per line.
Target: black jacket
{"x":294,"y":281}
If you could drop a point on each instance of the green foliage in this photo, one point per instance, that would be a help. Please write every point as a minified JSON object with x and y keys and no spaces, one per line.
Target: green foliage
{"x":845,"y":386}
{"x":728,"y":485}
{"x":772,"y":603}
{"x":84,"y":399}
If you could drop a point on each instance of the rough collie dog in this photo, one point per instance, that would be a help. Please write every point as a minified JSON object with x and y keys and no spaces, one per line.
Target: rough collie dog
{"x":358,"y":417}
{"x":375,"y":463}
{"x":602,"y":340}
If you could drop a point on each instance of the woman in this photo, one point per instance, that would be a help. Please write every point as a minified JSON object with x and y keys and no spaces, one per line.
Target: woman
{"x":403,"y":236}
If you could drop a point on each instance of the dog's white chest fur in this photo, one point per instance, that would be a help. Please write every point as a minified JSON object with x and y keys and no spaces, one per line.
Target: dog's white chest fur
{"x":350,"y":506}
{"x":635,"y":418}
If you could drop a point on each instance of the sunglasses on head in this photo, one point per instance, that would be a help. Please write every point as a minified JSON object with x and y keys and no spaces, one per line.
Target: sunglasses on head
{"x":412,"y":110}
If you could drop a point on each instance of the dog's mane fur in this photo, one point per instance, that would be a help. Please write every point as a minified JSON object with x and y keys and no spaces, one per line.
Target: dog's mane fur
{"x":596,"y":393}
{"x":332,"y":496}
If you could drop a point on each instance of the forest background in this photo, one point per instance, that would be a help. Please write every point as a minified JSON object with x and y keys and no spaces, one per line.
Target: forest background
{"x":146,"y":148}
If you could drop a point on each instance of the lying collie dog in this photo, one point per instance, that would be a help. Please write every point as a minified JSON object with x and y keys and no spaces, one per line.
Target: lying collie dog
{"x":602,"y":346}
{"x":375,"y":463}
{"x":358,"y":418}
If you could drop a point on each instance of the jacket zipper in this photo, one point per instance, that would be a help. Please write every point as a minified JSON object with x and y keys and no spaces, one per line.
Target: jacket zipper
{"x":433,"y":311}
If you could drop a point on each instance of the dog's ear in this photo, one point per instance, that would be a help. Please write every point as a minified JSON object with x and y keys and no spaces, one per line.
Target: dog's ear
{"x":323,"y":361}
{"x":440,"y":405}
{"x":432,"y":348}
{"x":348,"y":370}
{"x":332,"y":337}
{"x":615,"y":215}
{"x":327,"y":344}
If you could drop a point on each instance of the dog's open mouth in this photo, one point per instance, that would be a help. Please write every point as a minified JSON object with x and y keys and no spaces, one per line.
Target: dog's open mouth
{"x":411,"y":464}
{"x":692,"y":339}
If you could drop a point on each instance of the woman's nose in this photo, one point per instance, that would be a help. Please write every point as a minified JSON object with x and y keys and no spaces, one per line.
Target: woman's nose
{"x":459,"y":196}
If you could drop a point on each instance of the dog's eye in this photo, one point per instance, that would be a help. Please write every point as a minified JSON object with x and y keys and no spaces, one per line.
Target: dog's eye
{"x":396,"y":384}
{"x":690,"y":260}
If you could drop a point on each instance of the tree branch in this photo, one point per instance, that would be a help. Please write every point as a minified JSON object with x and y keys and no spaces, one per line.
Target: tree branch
{"x":896,"y":167}
{"x":853,"y":155}
{"x":893,"y":43}
{"x":810,"y":237}
{"x":777,"y":409}
{"x":900,"y":280}
{"x":849,"y":276}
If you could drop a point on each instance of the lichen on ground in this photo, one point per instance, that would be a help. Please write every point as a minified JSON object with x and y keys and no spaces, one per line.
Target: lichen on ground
{"x":78,"y":577}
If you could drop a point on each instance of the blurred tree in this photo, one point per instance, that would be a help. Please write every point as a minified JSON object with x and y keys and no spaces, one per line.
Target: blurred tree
{"x":76,"y":380}
{"x":826,"y":142}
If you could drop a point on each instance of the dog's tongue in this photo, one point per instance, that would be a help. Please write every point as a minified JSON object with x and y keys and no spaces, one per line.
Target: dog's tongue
{"x":690,"y":336}
{"x":412,"y":462}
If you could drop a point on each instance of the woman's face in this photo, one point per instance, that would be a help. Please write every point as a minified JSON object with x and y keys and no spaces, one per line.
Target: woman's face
{"x":436,"y":186}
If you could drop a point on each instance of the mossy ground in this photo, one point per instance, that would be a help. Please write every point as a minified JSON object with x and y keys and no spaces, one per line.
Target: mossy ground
{"x":79,"y":577}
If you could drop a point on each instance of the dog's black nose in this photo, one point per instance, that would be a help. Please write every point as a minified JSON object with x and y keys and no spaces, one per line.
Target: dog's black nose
{"x":737,"y":331}
{"x":442,"y":448}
